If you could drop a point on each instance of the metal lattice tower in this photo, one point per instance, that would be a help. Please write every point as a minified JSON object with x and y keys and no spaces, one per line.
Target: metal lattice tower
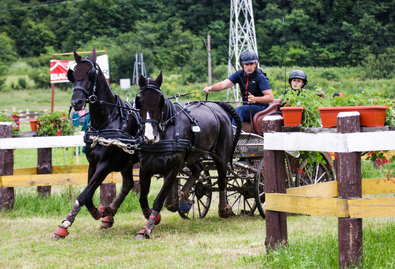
{"x":241,"y":37}
{"x":138,"y":65}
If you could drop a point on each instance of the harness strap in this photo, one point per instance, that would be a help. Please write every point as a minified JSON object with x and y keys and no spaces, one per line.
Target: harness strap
{"x":173,"y":145}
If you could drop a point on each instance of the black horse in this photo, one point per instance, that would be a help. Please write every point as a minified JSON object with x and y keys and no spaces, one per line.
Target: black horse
{"x":176,"y":136}
{"x":111,"y":119}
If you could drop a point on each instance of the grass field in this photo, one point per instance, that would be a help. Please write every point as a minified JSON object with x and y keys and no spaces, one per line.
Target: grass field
{"x":212,"y":242}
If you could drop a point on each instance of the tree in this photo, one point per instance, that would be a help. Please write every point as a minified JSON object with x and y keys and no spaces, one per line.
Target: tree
{"x":33,"y":38}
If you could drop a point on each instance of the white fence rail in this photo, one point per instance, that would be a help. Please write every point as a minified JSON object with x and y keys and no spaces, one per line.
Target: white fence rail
{"x":42,"y":142}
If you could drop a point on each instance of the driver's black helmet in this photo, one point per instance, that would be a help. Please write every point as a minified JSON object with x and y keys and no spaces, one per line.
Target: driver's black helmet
{"x":248,"y":56}
{"x":298,"y":74}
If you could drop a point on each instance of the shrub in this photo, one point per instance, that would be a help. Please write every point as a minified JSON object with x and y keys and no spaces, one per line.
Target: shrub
{"x":330,"y":75}
{"x":41,"y":77}
{"x":52,"y":124}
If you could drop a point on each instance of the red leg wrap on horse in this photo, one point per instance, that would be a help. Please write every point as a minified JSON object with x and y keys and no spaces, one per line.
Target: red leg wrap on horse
{"x":146,"y":213}
{"x":61,"y":231}
{"x":71,"y":216}
{"x":108,"y":219}
{"x":95,"y":213}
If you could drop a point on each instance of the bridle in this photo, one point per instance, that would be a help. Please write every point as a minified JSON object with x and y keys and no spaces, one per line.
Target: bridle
{"x":93,"y":75}
{"x":171,"y":110}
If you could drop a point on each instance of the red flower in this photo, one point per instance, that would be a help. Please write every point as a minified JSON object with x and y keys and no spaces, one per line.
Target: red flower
{"x":300,"y":171}
{"x":59,"y":133}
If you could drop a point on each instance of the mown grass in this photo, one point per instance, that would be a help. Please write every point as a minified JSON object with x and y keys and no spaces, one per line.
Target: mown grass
{"x":212,"y":242}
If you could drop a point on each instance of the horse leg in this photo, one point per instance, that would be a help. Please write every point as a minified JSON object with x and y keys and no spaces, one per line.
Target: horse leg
{"x":110,"y":211}
{"x":85,"y":198}
{"x":224,"y":209}
{"x":185,"y":203}
{"x":171,"y":201}
{"x":154,"y":216}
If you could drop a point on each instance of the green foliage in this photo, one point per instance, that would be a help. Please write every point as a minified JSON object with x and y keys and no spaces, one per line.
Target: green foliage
{"x":33,"y":38}
{"x":15,"y":126}
{"x":52,"y":124}
{"x":381,"y":66}
{"x":330,"y":74}
{"x":3,"y":78}
{"x":41,"y":77}
{"x":310,"y":101}
{"x":22,"y":84}
{"x":7,"y":53}
{"x":308,"y":32}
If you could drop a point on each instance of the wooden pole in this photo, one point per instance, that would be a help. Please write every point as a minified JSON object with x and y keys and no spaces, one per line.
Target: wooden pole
{"x":275,"y":177}
{"x":209,"y":59}
{"x":348,"y":173}
{"x":107,"y":193}
{"x":44,"y":166}
{"x":7,"y":194}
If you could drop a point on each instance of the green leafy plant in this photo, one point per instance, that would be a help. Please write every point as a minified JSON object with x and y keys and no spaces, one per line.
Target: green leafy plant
{"x":54,"y":124}
{"x":15,"y":124}
{"x":310,"y":101}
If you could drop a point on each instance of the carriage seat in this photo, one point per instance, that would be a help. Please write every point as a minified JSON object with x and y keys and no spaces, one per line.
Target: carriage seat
{"x":258,"y":117}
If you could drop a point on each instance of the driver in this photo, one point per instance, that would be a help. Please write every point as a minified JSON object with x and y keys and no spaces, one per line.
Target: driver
{"x":254,"y":86}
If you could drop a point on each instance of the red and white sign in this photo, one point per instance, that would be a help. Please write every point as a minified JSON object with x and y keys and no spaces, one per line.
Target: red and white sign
{"x":59,"y":68}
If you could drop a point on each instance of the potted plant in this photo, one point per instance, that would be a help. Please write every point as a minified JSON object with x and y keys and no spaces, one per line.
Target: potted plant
{"x":372,"y":108}
{"x":54,"y":124}
{"x":309,"y":100}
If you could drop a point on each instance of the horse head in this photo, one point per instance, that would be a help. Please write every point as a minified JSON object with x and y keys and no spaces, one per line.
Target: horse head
{"x":84,"y":76}
{"x":151,"y":102}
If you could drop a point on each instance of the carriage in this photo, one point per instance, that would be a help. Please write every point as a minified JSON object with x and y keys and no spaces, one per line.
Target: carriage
{"x":245,"y":182}
{"x":224,"y":159}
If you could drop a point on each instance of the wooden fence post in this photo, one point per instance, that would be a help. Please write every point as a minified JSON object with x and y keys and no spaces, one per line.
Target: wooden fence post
{"x":348,"y":173}
{"x":7,"y":195}
{"x":275,"y":177}
{"x":44,"y":166}
{"x":136,"y":186}
{"x":107,"y":193}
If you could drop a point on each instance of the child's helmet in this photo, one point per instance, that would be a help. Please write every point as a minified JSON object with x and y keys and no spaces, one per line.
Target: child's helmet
{"x":298,"y":74}
{"x":248,"y":56}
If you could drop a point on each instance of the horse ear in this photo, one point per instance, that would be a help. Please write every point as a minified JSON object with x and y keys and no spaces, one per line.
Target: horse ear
{"x":93,"y":56}
{"x":77,"y":58}
{"x":141,"y":81}
{"x":159,"y":79}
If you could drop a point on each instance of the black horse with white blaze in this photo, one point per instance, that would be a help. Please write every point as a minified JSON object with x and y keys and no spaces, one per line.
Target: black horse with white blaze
{"x":111,"y":118}
{"x":176,"y":136}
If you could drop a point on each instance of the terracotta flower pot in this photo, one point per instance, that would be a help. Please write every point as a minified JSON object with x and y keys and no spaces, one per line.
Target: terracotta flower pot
{"x":371,"y":116}
{"x":33,"y":125}
{"x":292,"y":115}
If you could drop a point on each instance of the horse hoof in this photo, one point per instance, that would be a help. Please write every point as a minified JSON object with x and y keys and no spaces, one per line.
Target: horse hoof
{"x":226,"y":214}
{"x":56,"y":237}
{"x":142,"y":235}
{"x":107,"y":222}
{"x":172,"y":207}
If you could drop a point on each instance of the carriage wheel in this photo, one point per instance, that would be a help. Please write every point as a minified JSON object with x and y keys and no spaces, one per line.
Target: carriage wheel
{"x":259,"y":184}
{"x":240,"y":194}
{"x":315,"y":173}
{"x":200,"y":195}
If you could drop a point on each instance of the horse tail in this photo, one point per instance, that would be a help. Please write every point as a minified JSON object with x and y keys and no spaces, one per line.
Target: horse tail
{"x":228,"y":108}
